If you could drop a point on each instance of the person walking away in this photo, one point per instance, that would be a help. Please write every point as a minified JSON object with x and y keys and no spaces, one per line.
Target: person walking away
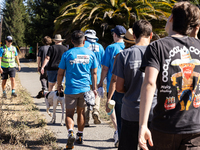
{"x":91,"y":44}
{"x":41,"y":57}
{"x":129,"y":81}
{"x":77,"y":63}
{"x":172,"y":64}
{"x":53,"y":58}
{"x":128,"y":42}
{"x":8,"y":57}
{"x":111,"y":51}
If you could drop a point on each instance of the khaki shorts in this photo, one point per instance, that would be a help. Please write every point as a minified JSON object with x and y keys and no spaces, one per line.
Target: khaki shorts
{"x":74,"y":100}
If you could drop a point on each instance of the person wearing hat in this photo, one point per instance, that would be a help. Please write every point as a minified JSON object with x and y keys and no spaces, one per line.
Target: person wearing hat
{"x":111,"y":51}
{"x":172,"y":65}
{"x":53,"y":58}
{"x":128,"y":42}
{"x":8,"y":57}
{"x":129,"y":80}
{"x":91,"y":44}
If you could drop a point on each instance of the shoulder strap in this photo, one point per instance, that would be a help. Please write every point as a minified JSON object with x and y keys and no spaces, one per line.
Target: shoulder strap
{"x":4,"y":47}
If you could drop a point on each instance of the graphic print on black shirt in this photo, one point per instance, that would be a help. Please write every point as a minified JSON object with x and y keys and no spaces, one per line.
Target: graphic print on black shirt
{"x":187,"y":90}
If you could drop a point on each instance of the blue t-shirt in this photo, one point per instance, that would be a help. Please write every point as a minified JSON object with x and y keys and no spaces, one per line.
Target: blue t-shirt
{"x":99,"y":53}
{"x":109,"y":57}
{"x":9,"y":48}
{"x":77,"y":62}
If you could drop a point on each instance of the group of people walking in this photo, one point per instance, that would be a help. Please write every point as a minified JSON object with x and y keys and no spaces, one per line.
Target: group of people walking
{"x":155,"y":85}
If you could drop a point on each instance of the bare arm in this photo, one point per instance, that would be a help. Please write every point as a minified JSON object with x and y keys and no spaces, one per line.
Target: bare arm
{"x":103,"y":75}
{"x":44,"y":64}
{"x":18,"y":63}
{"x":120,"y":85}
{"x":112,"y":87}
{"x":94,"y":80}
{"x":38,"y":62}
{"x":111,"y":91}
{"x":59,"y":79}
{"x":147,"y":92}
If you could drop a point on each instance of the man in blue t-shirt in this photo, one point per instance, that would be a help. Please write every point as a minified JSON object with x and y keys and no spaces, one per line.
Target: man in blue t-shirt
{"x":91,"y":44}
{"x":77,"y":64}
{"x":111,"y":51}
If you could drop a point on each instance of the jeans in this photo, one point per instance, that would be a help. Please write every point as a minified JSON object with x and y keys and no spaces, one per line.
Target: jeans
{"x":44,"y":80}
{"x":117,"y":97}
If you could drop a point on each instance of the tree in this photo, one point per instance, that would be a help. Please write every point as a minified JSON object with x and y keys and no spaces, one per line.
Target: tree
{"x":14,"y":17}
{"x":42,"y":14}
{"x":103,"y":15}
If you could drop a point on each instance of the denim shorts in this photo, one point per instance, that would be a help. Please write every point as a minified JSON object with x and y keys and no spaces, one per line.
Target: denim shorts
{"x":52,"y":76}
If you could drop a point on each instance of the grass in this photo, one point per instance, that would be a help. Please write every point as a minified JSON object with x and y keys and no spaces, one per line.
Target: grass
{"x":21,"y":125}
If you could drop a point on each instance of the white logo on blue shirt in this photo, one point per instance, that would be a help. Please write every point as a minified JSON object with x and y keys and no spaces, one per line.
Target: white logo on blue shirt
{"x":81,"y":59}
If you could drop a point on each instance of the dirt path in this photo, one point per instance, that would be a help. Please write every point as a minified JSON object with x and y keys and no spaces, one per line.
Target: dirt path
{"x":96,"y":137}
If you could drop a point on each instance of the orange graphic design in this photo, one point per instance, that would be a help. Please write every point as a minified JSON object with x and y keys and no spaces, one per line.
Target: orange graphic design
{"x":187,"y":65}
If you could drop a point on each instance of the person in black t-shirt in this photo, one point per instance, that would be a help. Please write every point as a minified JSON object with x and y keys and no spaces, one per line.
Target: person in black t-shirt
{"x":40,"y":59}
{"x":53,"y":58}
{"x":172,"y":64}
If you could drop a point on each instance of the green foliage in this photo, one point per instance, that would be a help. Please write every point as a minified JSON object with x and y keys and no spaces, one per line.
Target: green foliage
{"x":42,"y":14}
{"x":103,"y":15}
{"x":14,"y":16}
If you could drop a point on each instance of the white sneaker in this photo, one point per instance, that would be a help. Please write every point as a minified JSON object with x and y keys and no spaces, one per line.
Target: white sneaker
{"x":115,"y":137}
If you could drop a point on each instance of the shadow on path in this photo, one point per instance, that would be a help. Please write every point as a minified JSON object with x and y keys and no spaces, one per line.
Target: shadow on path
{"x":27,"y":69}
{"x":83,"y":145}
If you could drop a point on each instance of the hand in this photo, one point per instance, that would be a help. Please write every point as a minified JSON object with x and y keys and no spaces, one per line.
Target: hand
{"x":95,"y":93}
{"x":60,"y":88}
{"x":99,"y":85}
{"x":107,"y":109}
{"x":1,"y":70}
{"x":143,"y":136}
{"x":38,"y":69}
{"x":42,"y":71}
{"x":19,"y":67}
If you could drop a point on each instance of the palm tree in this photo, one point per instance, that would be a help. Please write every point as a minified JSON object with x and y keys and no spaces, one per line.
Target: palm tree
{"x":103,"y":15}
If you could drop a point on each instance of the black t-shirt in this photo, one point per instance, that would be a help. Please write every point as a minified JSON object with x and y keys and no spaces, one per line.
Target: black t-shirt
{"x":178,"y":83}
{"x":42,"y":53}
{"x":55,"y":53}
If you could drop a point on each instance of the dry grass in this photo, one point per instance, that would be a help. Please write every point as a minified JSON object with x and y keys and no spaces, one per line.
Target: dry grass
{"x":21,"y":125}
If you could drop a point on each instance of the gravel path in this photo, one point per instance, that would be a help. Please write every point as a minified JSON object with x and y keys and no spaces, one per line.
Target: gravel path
{"x":96,"y":137}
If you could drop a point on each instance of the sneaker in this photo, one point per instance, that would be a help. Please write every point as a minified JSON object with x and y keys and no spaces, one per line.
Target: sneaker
{"x":115,"y":137}
{"x":87,"y":124}
{"x":40,"y":94}
{"x":95,"y":116}
{"x":70,"y":141}
{"x":14,"y":94}
{"x":4,"y":95}
{"x":79,"y":138}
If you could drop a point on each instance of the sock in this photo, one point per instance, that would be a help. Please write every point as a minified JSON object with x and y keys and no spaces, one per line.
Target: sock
{"x":4,"y":91}
{"x":80,"y":131}
{"x":70,"y":130}
{"x":13,"y":90}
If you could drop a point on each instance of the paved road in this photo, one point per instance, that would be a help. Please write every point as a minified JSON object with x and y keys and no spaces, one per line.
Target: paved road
{"x":96,"y":137}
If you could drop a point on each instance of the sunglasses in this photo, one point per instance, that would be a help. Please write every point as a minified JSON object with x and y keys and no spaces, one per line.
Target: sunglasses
{"x":9,"y":41}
